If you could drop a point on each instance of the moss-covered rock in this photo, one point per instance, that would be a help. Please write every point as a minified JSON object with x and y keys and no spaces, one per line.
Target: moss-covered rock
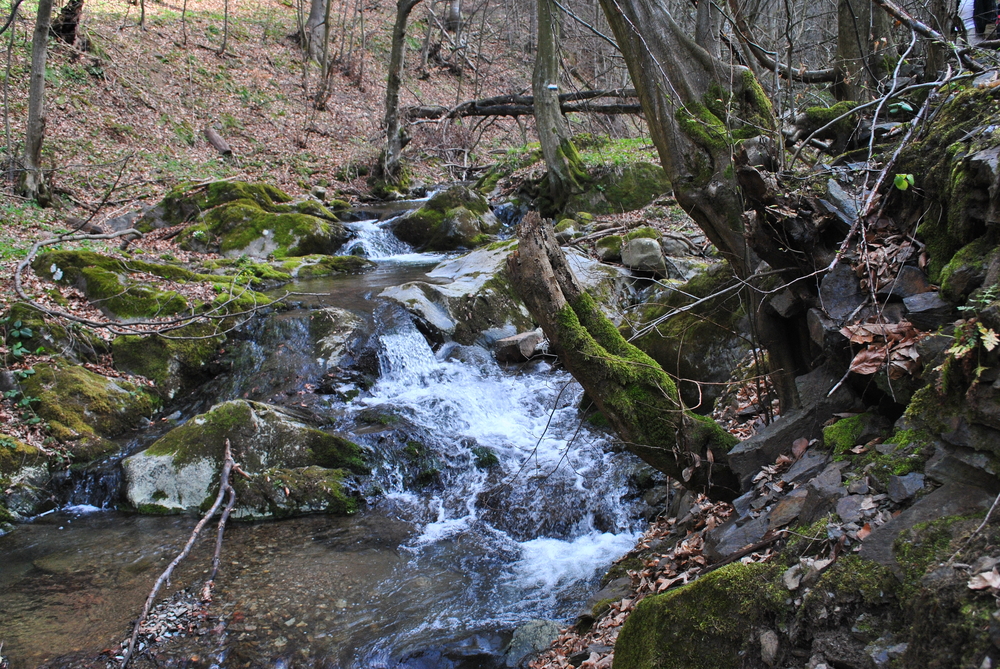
{"x":294,"y":469}
{"x":701,"y":344}
{"x":318,"y":265}
{"x":617,"y":188}
{"x":23,"y":473}
{"x":67,"y":340}
{"x":186,"y":201}
{"x":951,"y":164}
{"x":243,"y":227}
{"x":714,"y":623}
{"x":967,"y":269}
{"x":84,"y":409}
{"x":455,"y":218}
{"x":178,"y":361}
{"x":609,"y":249}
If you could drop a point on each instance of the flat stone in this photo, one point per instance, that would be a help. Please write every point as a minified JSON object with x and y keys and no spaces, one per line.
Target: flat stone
{"x":840,"y":293}
{"x":837,"y":196}
{"x":785,"y":303}
{"x":859,"y":486}
{"x":729,"y":538}
{"x":519,"y":348}
{"x":824,"y":331}
{"x":788,"y":509}
{"x":529,"y":639}
{"x":909,"y":282}
{"x":823,"y":493}
{"x":954,"y":464}
{"x":811,"y":463}
{"x":927,"y":311}
{"x":742,"y":504}
{"x":951,"y":499}
{"x":849,"y":508}
{"x":769,"y":647}
{"x":902,"y":488}
{"x":644,"y":254}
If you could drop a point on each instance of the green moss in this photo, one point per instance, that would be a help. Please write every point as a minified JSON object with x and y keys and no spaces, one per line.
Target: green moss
{"x":611,"y":242}
{"x":82,"y":406}
{"x":15,"y":454}
{"x":923,"y":546}
{"x":817,"y":117}
{"x":170,"y":363}
{"x":485,"y":457}
{"x":706,"y":625}
{"x":565,"y":224}
{"x":842,"y":436}
{"x":972,"y":259}
{"x":853,"y":579}
{"x":378,"y":416}
{"x":155,"y":510}
{"x":601,"y":606}
{"x":642,"y":233}
{"x":330,"y":265}
{"x":807,"y":539}
{"x":335,"y":452}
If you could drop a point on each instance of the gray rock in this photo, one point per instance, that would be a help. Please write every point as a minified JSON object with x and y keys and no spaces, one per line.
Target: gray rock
{"x":676,"y":246}
{"x":954,"y":464}
{"x":747,"y":457}
{"x":824,"y":331}
{"x":728,"y":538}
{"x":902,"y":488}
{"x":8,"y":381}
{"x":518,"y":348}
{"x":909,"y":282}
{"x":742,"y":504}
{"x":858,"y":486}
{"x":530,"y":639}
{"x":615,"y":590}
{"x":788,"y":509}
{"x":840,"y":199}
{"x":785,"y":303}
{"x":823,"y":492}
{"x":840,"y":293}
{"x":927,"y":311}
{"x":319,"y":193}
{"x":951,"y":499}
{"x":811,"y":463}
{"x":849,"y":508}
{"x":769,"y":647}
{"x":644,"y":254}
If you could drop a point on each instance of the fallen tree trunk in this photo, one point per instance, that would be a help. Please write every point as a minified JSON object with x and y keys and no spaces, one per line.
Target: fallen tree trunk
{"x":637,"y":397}
{"x":522,"y":105}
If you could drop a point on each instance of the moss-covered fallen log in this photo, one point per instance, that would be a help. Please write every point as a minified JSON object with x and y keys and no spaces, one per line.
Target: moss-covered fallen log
{"x":632,"y":391}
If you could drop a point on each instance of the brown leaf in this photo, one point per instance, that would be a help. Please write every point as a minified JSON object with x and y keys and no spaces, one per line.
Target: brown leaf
{"x":989,"y":579}
{"x":864,"y":532}
{"x":799,"y":447}
{"x":868,"y":360}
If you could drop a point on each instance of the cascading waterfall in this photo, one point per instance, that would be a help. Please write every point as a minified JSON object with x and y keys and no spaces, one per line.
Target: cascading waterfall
{"x":374,"y":240}
{"x":536,"y":528}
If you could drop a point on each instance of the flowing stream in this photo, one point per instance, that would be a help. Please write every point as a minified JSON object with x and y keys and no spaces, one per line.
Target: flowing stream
{"x":451,"y":556}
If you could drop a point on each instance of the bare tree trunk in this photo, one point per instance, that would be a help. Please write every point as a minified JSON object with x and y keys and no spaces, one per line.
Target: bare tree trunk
{"x":392,"y":156}
{"x":636,"y":396}
{"x":864,"y":36}
{"x":454,"y":20}
{"x":315,"y":28}
{"x":566,"y":173}
{"x":941,"y":12}
{"x":32,"y":182}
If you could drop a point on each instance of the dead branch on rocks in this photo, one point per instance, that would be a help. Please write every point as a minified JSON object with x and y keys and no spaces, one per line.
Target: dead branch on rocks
{"x":225,"y":488}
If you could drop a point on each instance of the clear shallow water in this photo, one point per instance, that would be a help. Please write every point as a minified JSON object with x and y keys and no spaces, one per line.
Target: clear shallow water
{"x":449,"y":563}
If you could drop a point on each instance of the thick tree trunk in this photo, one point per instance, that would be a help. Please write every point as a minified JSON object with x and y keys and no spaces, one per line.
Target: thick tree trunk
{"x":395,"y":140}
{"x":699,"y":108}
{"x":864,"y":40}
{"x":32,"y":182}
{"x":631,"y":390}
{"x":565,"y":168}
{"x":315,"y":30}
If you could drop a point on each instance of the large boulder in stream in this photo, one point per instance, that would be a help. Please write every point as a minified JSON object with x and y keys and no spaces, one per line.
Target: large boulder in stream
{"x":475,"y":303}
{"x":24,"y":472}
{"x":294,"y":469}
{"x":455,"y":218}
{"x":235,"y":218}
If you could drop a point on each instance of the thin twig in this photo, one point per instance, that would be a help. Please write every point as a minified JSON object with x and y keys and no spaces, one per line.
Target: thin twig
{"x":227,"y":467}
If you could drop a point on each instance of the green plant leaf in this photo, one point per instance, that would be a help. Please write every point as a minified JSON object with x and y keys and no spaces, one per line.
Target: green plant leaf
{"x":903,"y":181}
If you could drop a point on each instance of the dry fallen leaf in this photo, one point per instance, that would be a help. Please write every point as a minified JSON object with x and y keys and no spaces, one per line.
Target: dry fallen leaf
{"x":864,"y":532}
{"x":988,"y":579}
{"x":799,"y":447}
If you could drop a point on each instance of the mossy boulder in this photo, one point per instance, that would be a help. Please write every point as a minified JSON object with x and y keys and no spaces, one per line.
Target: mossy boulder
{"x":84,"y":409}
{"x":455,"y":218}
{"x":967,"y":269}
{"x":244,"y":228}
{"x":67,"y":340}
{"x":186,"y":202}
{"x":609,"y":249}
{"x":294,"y":468}
{"x":178,"y":361}
{"x":703,"y":344}
{"x":955,"y":167}
{"x":332,"y":329}
{"x":714,"y":623}
{"x":24,"y":472}
{"x":313,"y":266}
{"x":479,"y":303}
{"x":114,"y":285}
{"x":618,"y":188}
